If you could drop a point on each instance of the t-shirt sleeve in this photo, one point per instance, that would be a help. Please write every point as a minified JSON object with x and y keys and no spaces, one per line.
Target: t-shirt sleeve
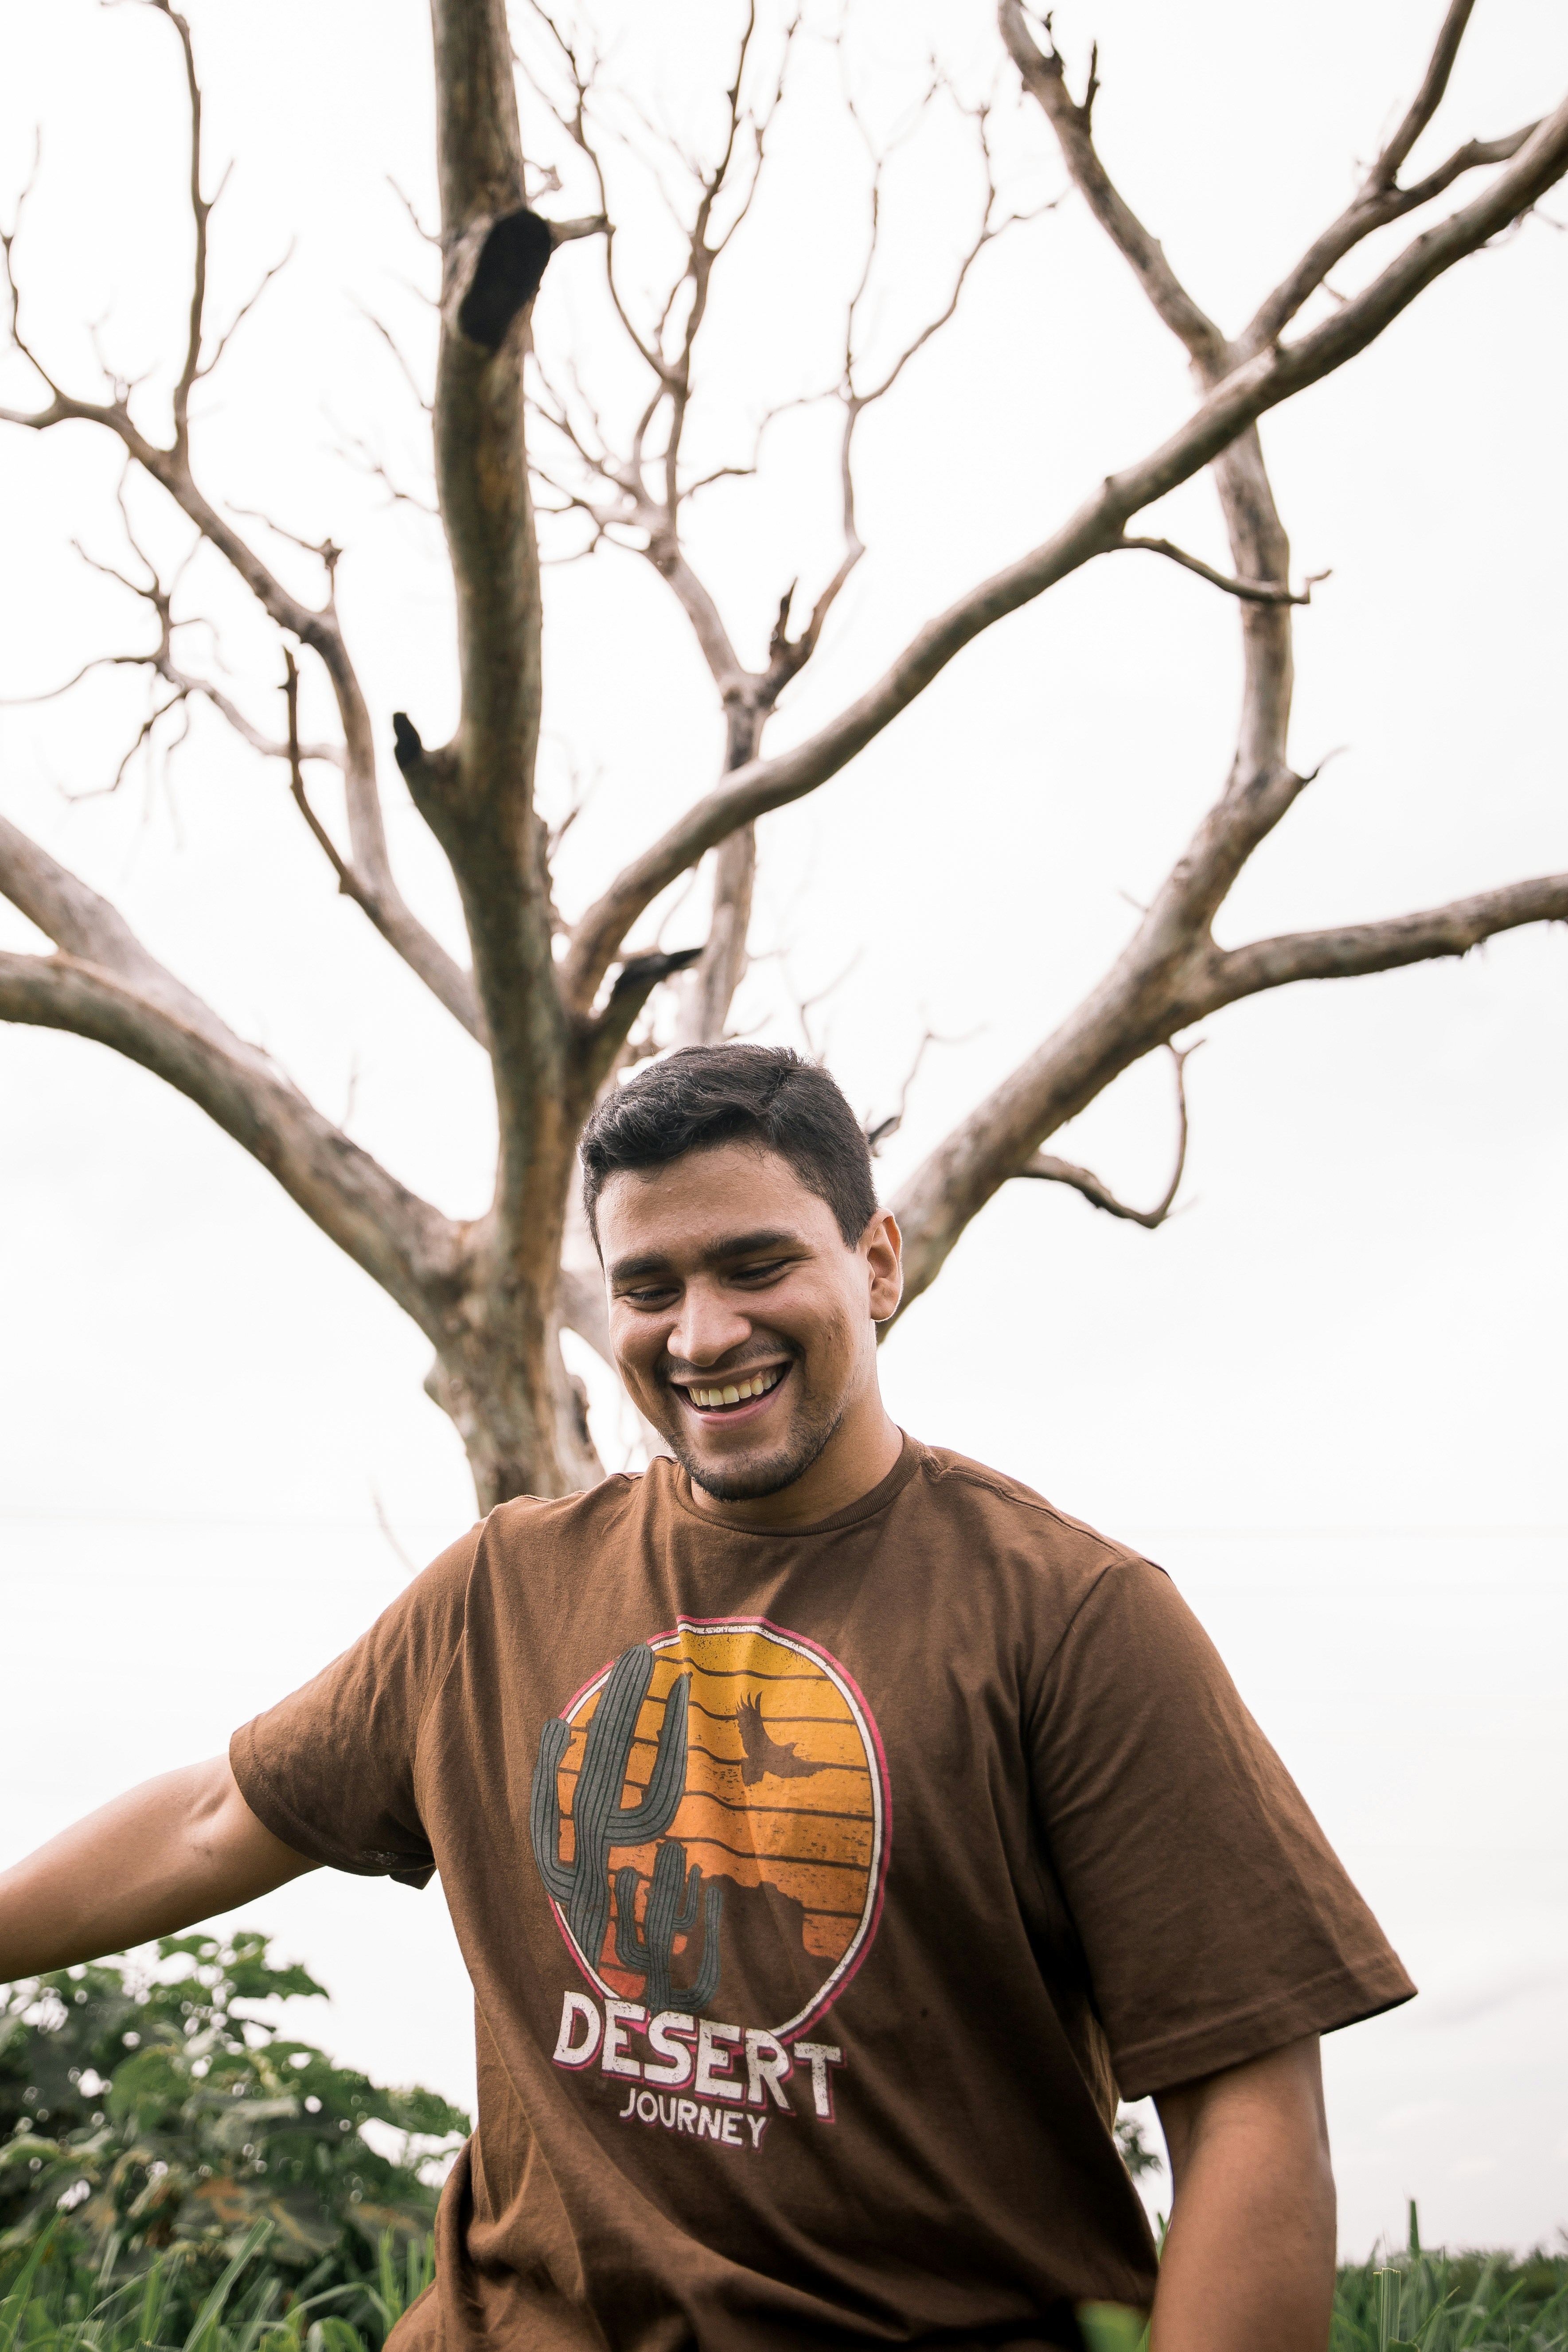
{"x":331,"y":1769}
{"x":1216,"y":1922}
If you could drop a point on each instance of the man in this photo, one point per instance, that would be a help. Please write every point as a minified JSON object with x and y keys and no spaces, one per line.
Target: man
{"x":832,"y":1829}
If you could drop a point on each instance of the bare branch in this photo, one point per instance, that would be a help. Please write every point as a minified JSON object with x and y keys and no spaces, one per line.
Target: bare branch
{"x":710,"y":988}
{"x":1046,"y":1169}
{"x":357,"y":452}
{"x":1045,"y":78}
{"x":348,"y":881}
{"x":1429,"y":97}
{"x":244,"y":311}
{"x":1222,"y":417}
{"x":603,"y":1040}
{"x":318,"y":629}
{"x":1251,"y":591}
{"x":161,"y":662}
{"x":575,"y":123}
{"x":1354,"y":949}
{"x":104,"y":985}
{"x":1169,"y":976}
{"x":1380,"y":199}
{"x":395,"y":348}
{"x":806,"y":1005}
{"x":399,"y":1240}
{"x":326,"y":550}
{"x":884,"y":1129}
{"x":567,"y":232}
{"x":87,"y":928}
{"x":200,"y":212}
{"x":1374,"y":208}
{"x":429,"y":234}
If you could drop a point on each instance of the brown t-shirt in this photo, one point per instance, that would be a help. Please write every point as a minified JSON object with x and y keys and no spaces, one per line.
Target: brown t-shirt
{"x":820,"y":1889}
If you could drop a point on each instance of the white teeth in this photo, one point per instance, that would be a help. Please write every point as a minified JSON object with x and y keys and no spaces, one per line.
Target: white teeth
{"x":736,"y":1392}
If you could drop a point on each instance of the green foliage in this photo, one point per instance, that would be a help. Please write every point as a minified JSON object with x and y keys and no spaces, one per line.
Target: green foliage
{"x":1461,"y":2303}
{"x":1133,"y":2148}
{"x":1415,"y":2302}
{"x":1423,"y":2301}
{"x":59,"y":2302}
{"x":150,"y":2130}
{"x":1111,"y":2327}
{"x":179,"y":2177}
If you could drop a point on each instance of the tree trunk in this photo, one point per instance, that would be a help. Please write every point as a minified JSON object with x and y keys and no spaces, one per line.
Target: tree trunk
{"x":521,"y":1415}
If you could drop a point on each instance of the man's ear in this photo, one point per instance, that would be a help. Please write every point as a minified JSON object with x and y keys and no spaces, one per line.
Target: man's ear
{"x":882,"y":1246}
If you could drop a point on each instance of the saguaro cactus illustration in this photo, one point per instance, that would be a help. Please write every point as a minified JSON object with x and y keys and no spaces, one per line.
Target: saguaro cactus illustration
{"x":672,"y":1901}
{"x":599,"y":1819}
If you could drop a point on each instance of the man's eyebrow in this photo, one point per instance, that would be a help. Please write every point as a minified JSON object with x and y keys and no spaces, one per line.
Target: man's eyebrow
{"x":631,"y":1269}
{"x":733,"y":1245}
{"x":750,"y":1245}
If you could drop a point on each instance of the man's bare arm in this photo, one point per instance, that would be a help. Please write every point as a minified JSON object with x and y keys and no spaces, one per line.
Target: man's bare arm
{"x":1249,"y":2259}
{"x":168,"y":1853}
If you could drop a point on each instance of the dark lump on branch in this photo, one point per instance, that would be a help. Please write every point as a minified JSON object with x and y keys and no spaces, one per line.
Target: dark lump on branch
{"x":408,"y":750}
{"x":506,"y":276}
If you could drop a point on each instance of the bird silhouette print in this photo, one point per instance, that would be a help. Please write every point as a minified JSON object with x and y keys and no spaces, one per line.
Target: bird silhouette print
{"x":763,"y":1754}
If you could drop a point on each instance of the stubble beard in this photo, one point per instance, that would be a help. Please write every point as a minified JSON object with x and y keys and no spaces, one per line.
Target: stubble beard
{"x":748,"y":1477}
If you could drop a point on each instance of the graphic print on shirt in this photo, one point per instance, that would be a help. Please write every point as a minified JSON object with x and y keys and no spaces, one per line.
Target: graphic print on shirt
{"x":711,"y":1819}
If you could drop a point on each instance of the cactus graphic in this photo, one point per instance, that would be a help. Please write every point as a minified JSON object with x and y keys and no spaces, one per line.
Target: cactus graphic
{"x":599,"y":1820}
{"x":672,"y":1901}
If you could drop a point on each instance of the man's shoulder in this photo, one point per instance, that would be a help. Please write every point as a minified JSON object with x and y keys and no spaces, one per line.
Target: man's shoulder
{"x":530,"y":1522}
{"x":1008,"y":1515}
{"x":957,"y":1481}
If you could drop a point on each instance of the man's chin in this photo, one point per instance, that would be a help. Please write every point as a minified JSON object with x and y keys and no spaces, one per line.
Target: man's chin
{"x":746,"y":1477}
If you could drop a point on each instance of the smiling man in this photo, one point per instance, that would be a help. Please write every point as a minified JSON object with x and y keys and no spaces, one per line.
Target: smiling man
{"x":833,"y":1829}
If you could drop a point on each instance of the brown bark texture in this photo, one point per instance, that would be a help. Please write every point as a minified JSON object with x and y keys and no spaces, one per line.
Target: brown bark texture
{"x":562,"y":1010}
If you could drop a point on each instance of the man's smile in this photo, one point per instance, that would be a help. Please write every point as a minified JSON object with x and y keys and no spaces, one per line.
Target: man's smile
{"x":719,"y":1397}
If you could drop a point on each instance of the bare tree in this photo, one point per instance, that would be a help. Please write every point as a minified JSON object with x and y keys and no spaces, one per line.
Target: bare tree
{"x":563,"y":1008}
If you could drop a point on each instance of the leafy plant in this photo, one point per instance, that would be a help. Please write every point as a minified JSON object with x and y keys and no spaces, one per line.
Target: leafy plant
{"x":1452,"y":2303}
{"x":57,"y":2302}
{"x":149,"y":2128}
{"x":1133,"y":2148}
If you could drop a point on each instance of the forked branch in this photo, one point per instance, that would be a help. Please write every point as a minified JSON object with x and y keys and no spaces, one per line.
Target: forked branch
{"x":1381,"y":199}
{"x":1236,"y":400}
{"x":317,"y":627}
{"x":1046,"y":1169}
{"x":1352,"y":948}
{"x":1251,"y":591}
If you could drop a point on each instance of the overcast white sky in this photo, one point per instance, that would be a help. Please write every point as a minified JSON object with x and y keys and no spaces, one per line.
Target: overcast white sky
{"x":1329,"y":1396}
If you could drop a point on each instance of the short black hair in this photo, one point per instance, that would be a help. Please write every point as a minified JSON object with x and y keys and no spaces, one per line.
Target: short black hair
{"x":707,"y":1095}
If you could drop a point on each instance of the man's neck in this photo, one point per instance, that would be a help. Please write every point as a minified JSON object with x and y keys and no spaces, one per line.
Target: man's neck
{"x":860,"y":1453}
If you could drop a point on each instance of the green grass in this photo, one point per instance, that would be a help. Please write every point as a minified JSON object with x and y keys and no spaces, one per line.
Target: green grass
{"x":1453,"y":2303}
{"x":59,"y":2300}
{"x":1415,"y":2302}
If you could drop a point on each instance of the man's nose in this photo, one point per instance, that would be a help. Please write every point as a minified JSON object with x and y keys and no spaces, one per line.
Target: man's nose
{"x":707,"y":1326}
